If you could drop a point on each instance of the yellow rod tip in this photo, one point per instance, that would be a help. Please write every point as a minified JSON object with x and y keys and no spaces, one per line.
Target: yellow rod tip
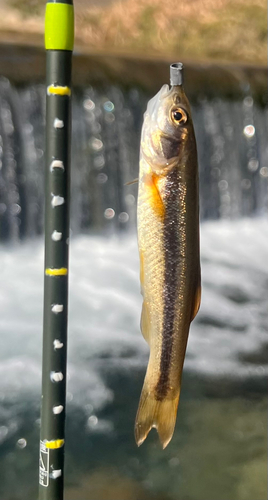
{"x":59,"y":26}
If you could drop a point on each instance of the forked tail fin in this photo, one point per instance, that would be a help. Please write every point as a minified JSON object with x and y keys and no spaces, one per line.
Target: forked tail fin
{"x":159,"y":414}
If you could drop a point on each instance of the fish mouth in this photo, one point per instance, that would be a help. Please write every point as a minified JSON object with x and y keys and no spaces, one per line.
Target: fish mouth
{"x":154,"y":102}
{"x":165,"y":91}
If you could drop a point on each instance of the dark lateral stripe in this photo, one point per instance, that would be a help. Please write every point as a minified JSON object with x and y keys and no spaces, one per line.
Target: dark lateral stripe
{"x":171,"y":250}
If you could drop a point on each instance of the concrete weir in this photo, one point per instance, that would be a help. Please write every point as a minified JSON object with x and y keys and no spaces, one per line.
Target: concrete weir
{"x":22,"y":62}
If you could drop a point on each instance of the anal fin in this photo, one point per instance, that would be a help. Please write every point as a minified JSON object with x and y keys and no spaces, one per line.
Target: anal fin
{"x":145,"y":322}
{"x":197,"y":301}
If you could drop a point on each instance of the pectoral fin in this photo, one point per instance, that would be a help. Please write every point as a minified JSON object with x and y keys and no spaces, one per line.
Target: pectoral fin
{"x":134,"y":181}
{"x":154,"y":197}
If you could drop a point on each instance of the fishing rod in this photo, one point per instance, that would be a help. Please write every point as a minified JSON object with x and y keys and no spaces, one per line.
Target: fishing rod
{"x":59,"y":39}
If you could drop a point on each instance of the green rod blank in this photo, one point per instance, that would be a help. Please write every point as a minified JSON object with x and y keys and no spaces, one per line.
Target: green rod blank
{"x":57,"y":196}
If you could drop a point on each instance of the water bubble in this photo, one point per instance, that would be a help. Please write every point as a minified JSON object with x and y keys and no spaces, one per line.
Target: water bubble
{"x":102,"y":178}
{"x":223,"y":185}
{"x":69,"y":397}
{"x":96,"y":144}
{"x":123,"y":217}
{"x":99,"y":162}
{"x":248,"y":101}
{"x":89,"y":408}
{"x":96,"y":128}
{"x":245,"y":184}
{"x":249,"y":131}
{"x":108,"y":106}
{"x":253,"y":165}
{"x":216,"y":158}
{"x":260,"y":370}
{"x":130,"y":199}
{"x":15,"y":209}
{"x":127,"y":113}
{"x":21,"y":443}
{"x":109,"y":213}
{"x":39,"y":153}
{"x":92,"y":421}
{"x":89,"y":105}
{"x":109,"y":118}
{"x":264,"y":171}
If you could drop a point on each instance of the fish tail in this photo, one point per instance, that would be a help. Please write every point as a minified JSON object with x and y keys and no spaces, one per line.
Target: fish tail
{"x":158,"y":414}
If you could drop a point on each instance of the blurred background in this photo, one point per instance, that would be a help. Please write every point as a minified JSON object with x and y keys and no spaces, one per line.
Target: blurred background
{"x":122,"y":55}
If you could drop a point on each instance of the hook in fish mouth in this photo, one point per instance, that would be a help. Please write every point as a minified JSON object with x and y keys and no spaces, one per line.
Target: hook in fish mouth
{"x":153,"y":103}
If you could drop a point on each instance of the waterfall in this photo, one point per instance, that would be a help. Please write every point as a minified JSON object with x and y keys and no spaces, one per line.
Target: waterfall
{"x":232,"y":149}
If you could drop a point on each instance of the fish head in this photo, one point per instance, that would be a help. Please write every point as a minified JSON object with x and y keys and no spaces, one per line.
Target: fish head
{"x":167,"y":134}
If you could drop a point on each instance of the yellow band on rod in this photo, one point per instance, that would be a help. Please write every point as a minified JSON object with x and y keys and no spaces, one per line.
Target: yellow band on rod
{"x":54,"y":445}
{"x":63,"y":271}
{"x":58,"y":89}
{"x":59,"y":26}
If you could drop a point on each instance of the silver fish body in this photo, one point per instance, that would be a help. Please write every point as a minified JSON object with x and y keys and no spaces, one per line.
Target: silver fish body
{"x":168,"y":238}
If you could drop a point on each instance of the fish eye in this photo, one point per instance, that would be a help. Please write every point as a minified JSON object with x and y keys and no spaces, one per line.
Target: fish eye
{"x":179,"y":116}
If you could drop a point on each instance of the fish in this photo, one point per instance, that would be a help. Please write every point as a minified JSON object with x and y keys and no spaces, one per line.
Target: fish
{"x":168,"y":241}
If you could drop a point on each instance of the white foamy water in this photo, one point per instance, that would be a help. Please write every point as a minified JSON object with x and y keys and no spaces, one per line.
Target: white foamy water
{"x":105,"y":306}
